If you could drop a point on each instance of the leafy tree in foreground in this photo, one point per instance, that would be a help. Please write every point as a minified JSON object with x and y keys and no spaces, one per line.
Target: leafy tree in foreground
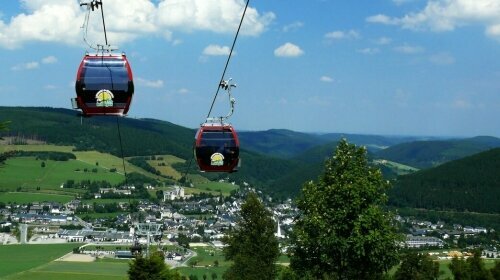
{"x":151,"y":268}
{"x":495,"y":271}
{"x":342,"y":231}
{"x":252,"y":246}
{"x":417,"y":267}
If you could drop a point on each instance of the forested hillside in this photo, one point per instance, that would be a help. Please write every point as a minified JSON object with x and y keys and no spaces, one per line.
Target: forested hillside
{"x":469,"y":184}
{"x":425,"y":154}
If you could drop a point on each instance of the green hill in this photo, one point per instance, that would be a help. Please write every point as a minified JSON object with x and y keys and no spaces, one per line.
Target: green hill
{"x":469,"y":184}
{"x":425,"y":154}
{"x":141,"y":137}
{"x":279,"y":142}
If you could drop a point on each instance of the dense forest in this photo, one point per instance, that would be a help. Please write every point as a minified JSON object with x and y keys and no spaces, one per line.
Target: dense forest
{"x":469,"y":184}
{"x":426,"y":154}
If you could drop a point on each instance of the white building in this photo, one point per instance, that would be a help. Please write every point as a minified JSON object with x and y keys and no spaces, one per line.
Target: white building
{"x":177,"y":192}
{"x":421,"y":241}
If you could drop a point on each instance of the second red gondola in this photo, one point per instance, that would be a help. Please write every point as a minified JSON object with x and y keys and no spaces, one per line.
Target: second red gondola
{"x":217,"y":148}
{"x":104,"y":85}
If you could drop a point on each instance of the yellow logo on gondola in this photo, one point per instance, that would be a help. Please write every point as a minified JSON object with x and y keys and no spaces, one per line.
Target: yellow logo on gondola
{"x":104,"y":98}
{"x":217,"y":159}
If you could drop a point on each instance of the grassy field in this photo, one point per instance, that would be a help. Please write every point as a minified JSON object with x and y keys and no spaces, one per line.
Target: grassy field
{"x":55,"y":173}
{"x":106,"y":161}
{"x":399,"y":168}
{"x":446,"y":272}
{"x":167,"y":169}
{"x":205,"y":263}
{"x":213,"y":187}
{"x":76,"y":271}
{"x":24,"y":197}
{"x":18,"y":258}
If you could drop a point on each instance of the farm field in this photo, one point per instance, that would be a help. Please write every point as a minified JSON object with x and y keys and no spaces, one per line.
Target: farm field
{"x":166,"y":168}
{"x":106,"y":161}
{"x":55,"y":173}
{"x":75,"y":271}
{"x":18,"y":258}
{"x":399,"y":168}
{"x":212,"y":187}
{"x":26,"y":197}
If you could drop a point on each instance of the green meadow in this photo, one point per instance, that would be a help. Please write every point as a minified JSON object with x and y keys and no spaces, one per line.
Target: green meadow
{"x":26,"y":197}
{"x":213,"y":188}
{"x":76,"y":271}
{"x":18,"y":258}
{"x":14,"y":173}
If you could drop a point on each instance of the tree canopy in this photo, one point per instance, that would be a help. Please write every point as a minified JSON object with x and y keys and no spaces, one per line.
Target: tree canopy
{"x":151,"y":268}
{"x":417,"y":266}
{"x":342,"y":231}
{"x":252,"y":246}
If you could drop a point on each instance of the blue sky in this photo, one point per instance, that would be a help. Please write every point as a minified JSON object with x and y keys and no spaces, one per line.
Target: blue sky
{"x":399,"y":67}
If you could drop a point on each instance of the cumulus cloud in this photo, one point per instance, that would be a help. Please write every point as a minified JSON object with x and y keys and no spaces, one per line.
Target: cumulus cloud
{"x":150,"y":83}
{"x":288,"y":50}
{"x":339,"y":34}
{"x":49,"y":60}
{"x":216,"y":50}
{"x":26,"y":66}
{"x":408,"y":49}
{"x":447,"y":15}
{"x":293,"y":26}
{"x":60,"y":21}
{"x":326,"y":79}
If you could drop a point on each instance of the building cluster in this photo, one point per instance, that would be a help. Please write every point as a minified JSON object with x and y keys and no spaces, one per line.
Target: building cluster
{"x":427,"y":234}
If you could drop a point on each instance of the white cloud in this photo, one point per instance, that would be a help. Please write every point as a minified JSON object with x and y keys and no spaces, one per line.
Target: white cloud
{"x":460,"y":103}
{"x":326,"y":79}
{"x":447,"y":15}
{"x":49,"y":87}
{"x":382,"y":19}
{"x":339,"y":34}
{"x":216,"y":50}
{"x":211,"y":15}
{"x":150,"y":83}
{"x":401,"y":2}
{"x":383,"y":41}
{"x":60,"y":21}
{"x":49,"y":60}
{"x":443,"y":58}
{"x":293,"y":26}
{"x":183,"y":91}
{"x":369,"y":51}
{"x":408,"y":49}
{"x":26,"y":66}
{"x":288,"y":50}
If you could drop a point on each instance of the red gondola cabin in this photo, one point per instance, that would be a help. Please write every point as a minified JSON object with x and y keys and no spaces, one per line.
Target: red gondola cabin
{"x":104,"y":85}
{"x":217,"y":148}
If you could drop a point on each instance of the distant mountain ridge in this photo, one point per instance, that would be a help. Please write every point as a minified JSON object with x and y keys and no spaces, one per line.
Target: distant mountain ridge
{"x":277,"y":160}
{"x":426,"y":154}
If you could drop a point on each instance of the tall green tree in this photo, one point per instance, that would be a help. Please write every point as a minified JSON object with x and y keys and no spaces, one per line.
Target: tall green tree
{"x":342,"y":231}
{"x":252,"y":246}
{"x":417,"y":266}
{"x":471,"y":269}
{"x":151,"y":268}
{"x":4,"y":156}
{"x":495,"y":271}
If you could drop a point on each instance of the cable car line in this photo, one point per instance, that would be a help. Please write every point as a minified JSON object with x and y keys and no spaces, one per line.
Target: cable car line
{"x":228,"y":59}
